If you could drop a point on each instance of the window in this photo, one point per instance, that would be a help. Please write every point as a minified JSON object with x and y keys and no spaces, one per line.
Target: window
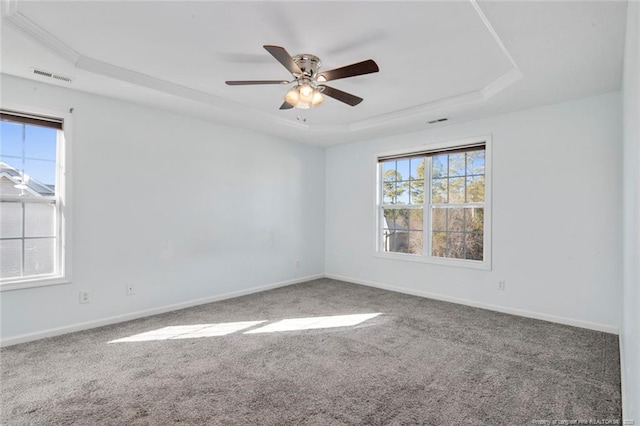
{"x":433,"y":204}
{"x":31,"y":200}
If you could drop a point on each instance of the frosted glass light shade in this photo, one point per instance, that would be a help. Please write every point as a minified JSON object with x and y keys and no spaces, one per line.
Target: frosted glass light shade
{"x":317,"y":98}
{"x":292,"y":97}
{"x":306,"y":93}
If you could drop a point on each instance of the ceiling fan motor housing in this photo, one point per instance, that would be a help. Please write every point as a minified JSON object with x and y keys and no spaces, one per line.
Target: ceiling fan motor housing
{"x":308,"y":64}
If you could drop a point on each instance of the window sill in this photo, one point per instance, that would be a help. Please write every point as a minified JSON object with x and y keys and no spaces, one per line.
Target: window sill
{"x":34,"y":282}
{"x":469,"y":264}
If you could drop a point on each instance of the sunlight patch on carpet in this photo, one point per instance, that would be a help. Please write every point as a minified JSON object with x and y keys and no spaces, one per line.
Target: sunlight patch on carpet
{"x":189,"y":331}
{"x":312,"y":323}
{"x":212,"y":330}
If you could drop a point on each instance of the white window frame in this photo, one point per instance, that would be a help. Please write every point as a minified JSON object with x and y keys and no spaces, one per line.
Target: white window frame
{"x":426,"y":256}
{"x":62,"y":274}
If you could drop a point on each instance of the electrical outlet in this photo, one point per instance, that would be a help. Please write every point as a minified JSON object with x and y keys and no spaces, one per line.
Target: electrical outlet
{"x":130,"y":290}
{"x":297,"y":264}
{"x":502,"y":285}
{"x":85,"y":297}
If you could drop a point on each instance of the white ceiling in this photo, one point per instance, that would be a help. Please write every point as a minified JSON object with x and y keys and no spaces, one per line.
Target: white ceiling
{"x":457,"y":59}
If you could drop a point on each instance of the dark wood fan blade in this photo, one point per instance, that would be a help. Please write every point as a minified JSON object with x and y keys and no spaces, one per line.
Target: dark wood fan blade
{"x":345,"y":97}
{"x":365,"y":67}
{"x":286,"y":106}
{"x":249,"y":82}
{"x":284,"y":58}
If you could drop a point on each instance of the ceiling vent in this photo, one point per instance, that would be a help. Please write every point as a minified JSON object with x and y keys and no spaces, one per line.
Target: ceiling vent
{"x":439,"y":120}
{"x":54,"y":76}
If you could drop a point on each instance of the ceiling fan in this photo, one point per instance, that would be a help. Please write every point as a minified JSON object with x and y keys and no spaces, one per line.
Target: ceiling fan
{"x":308,"y":89}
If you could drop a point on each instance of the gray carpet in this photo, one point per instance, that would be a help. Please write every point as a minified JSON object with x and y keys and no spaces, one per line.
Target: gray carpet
{"x":420,"y":362}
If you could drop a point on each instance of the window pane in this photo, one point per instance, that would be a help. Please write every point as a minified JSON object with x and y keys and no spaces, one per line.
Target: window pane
{"x":388,"y":165}
{"x":439,"y":166}
{"x":456,"y":190}
{"x":389,"y":240}
{"x":401,"y":242}
{"x":394,"y":190}
{"x":39,"y":220}
{"x":402,"y":193}
{"x":416,"y":217}
{"x":402,"y":217}
{"x":394,"y":193}
{"x":395,"y":239}
{"x":42,"y":174}
{"x":455,"y":245}
{"x":12,"y":165}
{"x":457,"y":232}
{"x":12,"y":182}
{"x":439,"y":191}
{"x":439,"y":244}
{"x":9,"y":187}
{"x":402,"y":230}
{"x":11,"y":255}
{"x":415,"y":242}
{"x":40,"y":142}
{"x":405,"y":219}
{"x":390,"y":218}
{"x":10,"y":139}
{"x":39,"y":256}
{"x":417,"y":192}
{"x":475,"y":162}
{"x":402,"y":170}
{"x":474,"y":219}
{"x":10,"y":220}
{"x":439,"y":219}
{"x":417,"y":169}
{"x":474,"y":242}
{"x":388,"y":191}
{"x":456,"y":164}
{"x":455,"y":220}
{"x":475,"y":189}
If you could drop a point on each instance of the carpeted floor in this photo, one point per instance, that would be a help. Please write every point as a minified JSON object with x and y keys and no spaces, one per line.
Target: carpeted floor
{"x":419,"y":362}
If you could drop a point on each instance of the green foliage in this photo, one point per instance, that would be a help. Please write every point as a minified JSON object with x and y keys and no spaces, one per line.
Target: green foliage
{"x":475,"y":189}
{"x":417,"y":184}
{"x":392,"y":186}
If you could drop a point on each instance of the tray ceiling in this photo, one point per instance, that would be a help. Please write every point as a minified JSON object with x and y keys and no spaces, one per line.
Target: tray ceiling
{"x":461,"y":59}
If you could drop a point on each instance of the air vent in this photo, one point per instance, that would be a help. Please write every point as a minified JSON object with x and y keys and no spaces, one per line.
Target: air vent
{"x":439,"y":120}
{"x":52,"y":75}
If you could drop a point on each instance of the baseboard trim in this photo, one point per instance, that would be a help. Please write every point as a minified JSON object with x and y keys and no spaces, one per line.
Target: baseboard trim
{"x":523,"y":313}
{"x":23,"y":338}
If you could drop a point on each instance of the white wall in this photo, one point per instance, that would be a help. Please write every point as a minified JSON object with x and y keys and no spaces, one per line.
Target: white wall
{"x":182,"y":208}
{"x":629,"y":339}
{"x":556,"y":215}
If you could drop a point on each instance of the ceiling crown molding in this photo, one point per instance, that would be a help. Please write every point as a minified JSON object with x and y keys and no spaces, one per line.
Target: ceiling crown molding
{"x":124,"y":74}
{"x":504,"y":81}
{"x":493,"y":32}
{"x":16,"y":20}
